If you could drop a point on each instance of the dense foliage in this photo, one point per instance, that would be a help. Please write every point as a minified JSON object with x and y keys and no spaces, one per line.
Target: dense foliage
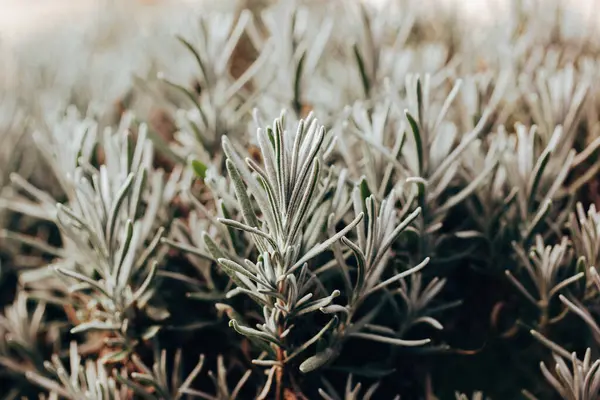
{"x":420,"y":218}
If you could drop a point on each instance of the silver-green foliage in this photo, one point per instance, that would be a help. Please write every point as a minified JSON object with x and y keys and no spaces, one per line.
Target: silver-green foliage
{"x":321,"y":226}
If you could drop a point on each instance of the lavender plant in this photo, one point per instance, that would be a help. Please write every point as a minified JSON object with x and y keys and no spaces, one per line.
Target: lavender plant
{"x":420,"y":212}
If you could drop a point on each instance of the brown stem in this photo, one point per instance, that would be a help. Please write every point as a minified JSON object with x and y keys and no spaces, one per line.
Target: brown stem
{"x":280,"y":357}
{"x":279,"y":376}
{"x":544,"y":317}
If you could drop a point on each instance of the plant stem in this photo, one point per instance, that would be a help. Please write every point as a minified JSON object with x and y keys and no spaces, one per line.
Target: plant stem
{"x":279,"y":372}
{"x":280,"y":355}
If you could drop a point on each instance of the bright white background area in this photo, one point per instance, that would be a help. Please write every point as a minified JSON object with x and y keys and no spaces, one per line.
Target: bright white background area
{"x":48,"y":47}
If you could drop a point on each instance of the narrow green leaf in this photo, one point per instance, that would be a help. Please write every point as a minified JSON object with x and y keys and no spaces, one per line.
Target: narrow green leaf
{"x":420,"y":100}
{"x":298,"y":85}
{"x":365,"y":192}
{"x":364,"y":77}
{"x":150,"y":332}
{"x":537,"y":174}
{"x":253,"y":333}
{"x":242,"y":195}
{"x":193,"y":50}
{"x":214,"y":250}
{"x":391,"y":340}
{"x":115,"y":208}
{"x":538,"y":220}
{"x":418,"y":139}
{"x":387,"y":243}
{"x":318,"y":360}
{"x":233,"y":235}
{"x":123,"y":251}
{"x":199,"y":168}
{"x":361,"y":267}
{"x":94,"y":326}
{"x":114,"y":357}
{"x":83,"y":278}
{"x":230,"y":223}
{"x":146,"y":284}
{"x":193,"y":99}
